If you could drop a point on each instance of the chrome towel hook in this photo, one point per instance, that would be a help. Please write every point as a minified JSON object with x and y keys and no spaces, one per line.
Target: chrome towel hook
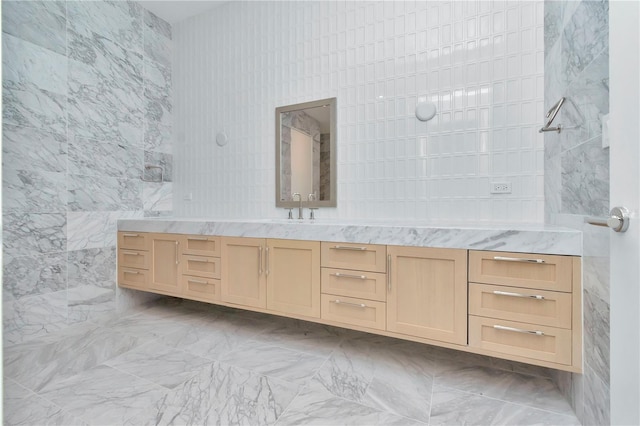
{"x":551,"y":115}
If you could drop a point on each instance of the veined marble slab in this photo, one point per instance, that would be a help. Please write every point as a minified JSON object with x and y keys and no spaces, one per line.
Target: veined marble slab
{"x":516,"y":238}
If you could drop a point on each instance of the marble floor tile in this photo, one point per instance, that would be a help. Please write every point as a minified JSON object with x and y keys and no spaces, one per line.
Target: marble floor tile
{"x":39,"y":364}
{"x":512,"y":387}
{"x":318,"y":407}
{"x":221,"y":394}
{"x":161,"y":364}
{"x":104,"y":395}
{"x":23,"y":407}
{"x":453,"y":407}
{"x":273,"y":361}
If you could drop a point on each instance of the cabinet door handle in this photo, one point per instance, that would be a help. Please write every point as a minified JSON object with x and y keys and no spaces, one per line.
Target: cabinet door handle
{"x":526,"y":296}
{"x":356,"y":305}
{"x":197,"y":281}
{"x":341,"y":275}
{"x":389,"y":273}
{"x":198,"y":238}
{"x":131,"y":235}
{"x":192,"y":259}
{"x":177,"y":257}
{"x":259,"y":260}
{"x":517,"y":259}
{"x":267,"y":262}
{"x":349,"y":248}
{"x":131,"y":253}
{"x":518,"y":330}
{"x":131,"y":272}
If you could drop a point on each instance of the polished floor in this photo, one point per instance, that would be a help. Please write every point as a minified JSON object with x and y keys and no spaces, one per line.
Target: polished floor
{"x":180,"y":363}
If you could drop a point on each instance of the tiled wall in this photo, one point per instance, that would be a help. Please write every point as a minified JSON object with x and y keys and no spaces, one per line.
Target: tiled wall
{"x":480,"y":62}
{"x":577,"y":177}
{"x":86,"y":103}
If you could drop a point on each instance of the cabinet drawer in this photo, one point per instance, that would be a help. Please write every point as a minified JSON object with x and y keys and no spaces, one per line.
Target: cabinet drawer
{"x":133,"y":278}
{"x":516,"y":338}
{"x":545,"y":272}
{"x":133,"y":259}
{"x":133,"y":240}
{"x":524,"y":305}
{"x":201,"y":245}
{"x":361,"y":257}
{"x":201,"y":266}
{"x":364,"y":313}
{"x":365,"y":285}
{"x":204,"y":289}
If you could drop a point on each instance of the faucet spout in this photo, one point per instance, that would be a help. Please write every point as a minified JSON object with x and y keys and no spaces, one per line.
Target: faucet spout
{"x":300,"y":216}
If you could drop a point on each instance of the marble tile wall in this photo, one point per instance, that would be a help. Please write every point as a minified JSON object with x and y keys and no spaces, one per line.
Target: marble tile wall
{"x":577,"y":178}
{"x":481,"y":62}
{"x":86,"y":103}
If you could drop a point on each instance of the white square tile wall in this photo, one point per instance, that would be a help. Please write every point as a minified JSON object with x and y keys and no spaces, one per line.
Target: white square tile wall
{"x":480,"y":62}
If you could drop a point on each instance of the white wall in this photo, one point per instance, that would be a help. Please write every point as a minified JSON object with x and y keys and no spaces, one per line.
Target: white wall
{"x":481,"y":62}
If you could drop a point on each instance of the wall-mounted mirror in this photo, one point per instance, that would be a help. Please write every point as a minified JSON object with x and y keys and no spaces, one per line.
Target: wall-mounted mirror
{"x":306,"y":154}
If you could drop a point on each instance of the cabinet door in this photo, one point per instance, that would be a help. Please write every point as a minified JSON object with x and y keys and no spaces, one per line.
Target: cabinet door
{"x":293,"y":277}
{"x":165,"y":263}
{"x":243,"y":271}
{"x":428,"y":293}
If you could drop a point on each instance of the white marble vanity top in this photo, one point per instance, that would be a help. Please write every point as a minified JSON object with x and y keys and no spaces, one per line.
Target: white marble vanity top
{"x":515,"y":238}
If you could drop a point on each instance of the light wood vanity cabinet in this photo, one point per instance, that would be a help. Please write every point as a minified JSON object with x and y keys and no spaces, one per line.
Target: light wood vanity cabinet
{"x":428,"y":293}
{"x":354,"y":290}
{"x":133,"y":260}
{"x":527,"y":306}
{"x":523,"y":307}
{"x":277,"y":275}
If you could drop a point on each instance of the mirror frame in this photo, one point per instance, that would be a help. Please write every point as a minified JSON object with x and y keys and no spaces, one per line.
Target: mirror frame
{"x":333,"y":193}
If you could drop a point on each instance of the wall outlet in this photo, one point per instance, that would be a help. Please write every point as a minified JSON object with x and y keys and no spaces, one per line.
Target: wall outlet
{"x":188,"y":196}
{"x":501,"y":187}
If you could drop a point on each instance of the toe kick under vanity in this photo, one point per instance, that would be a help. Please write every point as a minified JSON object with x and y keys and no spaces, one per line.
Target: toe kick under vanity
{"x":512,"y":293}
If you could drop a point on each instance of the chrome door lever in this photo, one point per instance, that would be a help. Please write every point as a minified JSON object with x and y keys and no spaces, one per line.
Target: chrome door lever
{"x":618,"y":220}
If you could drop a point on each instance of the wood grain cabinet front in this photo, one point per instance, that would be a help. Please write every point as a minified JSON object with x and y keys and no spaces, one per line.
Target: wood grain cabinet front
{"x":133,"y":260}
{"x":165,"y":263}
{"x":244,"y":281}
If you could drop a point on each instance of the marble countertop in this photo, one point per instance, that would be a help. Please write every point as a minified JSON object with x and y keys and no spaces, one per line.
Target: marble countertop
{"x":521,"y":238}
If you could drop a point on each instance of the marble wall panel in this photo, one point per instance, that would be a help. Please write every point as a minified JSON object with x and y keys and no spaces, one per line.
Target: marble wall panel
{"x":585,"y":179}
{"x":597,"y":401}
{"x":90,"y":302}
{"x":33,"y":317}
{"x":157,"y":47}
{"x":25,"y":148}
{"x":103,"y":193}
{"x":585,"y":36}
{"x":90,"y":157}
{"x":118,"y":21}
{"x":157,"y":137}
{"x":159,"y":159}
{"x":157,"y":92}
{"x":95,"y":229}
{"x":156,"y":25}
{"x":40,"y":22}
{"x":105,"y":91}
{"x":24,"y":276}
{"x":34,"y":191}
{"x":95,"y":266}
{"x":158,"y":197}
{"x":32,"y":233}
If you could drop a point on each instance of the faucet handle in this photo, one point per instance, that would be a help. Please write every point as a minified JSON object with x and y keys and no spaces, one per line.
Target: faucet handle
{"x":312,"y":216}
{"x":311,"y":197}
{"x":290,"y":212}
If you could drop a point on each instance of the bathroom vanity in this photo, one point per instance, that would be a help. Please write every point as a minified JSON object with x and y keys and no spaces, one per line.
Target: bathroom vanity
{"x":512,"y":293}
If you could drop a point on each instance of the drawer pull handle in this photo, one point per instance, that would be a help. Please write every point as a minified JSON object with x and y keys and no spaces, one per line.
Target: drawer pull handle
{"x":349,"y":248}
{"x":131,"y":272}
{"x":131,"y":235}
{"x":517,"y":259}
{"x":389,"y":273}
{"x":518,"y":330}
{"x":131,"y":253}
{"x":198,"y":238}
{"x":527,"y":296}
{"x":198,"y":260}
{"x":357,"y":305}
{"x":341,"y":275}
{"x":197,"y":281}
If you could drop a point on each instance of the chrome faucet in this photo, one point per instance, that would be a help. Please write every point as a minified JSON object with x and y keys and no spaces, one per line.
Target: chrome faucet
{"x":311,"y":197}
{"x":300,"y":216}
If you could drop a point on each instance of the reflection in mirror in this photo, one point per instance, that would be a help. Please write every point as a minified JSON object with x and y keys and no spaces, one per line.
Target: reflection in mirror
{"x":305,"y":154}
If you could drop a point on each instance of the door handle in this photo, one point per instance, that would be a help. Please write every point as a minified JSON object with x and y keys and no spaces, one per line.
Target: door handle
{"x":618,"y":219}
